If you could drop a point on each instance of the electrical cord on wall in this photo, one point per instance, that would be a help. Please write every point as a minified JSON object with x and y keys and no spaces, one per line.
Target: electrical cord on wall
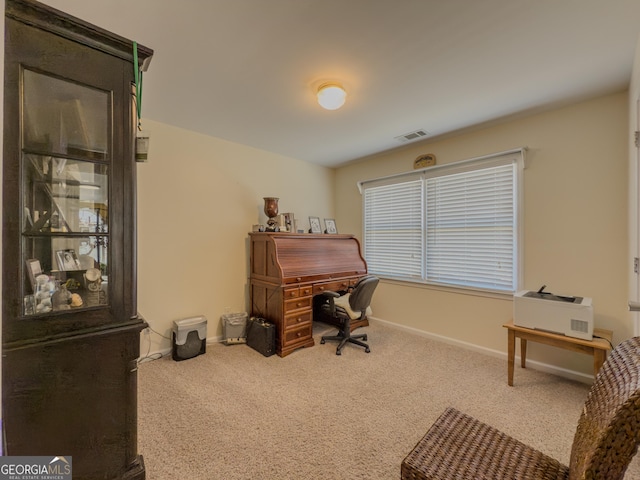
{"x":602,"y":338}
{"x":150,"y":357}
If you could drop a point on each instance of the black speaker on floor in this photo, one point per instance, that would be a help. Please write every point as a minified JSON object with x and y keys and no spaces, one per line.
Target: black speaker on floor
{"x":189,"y":338}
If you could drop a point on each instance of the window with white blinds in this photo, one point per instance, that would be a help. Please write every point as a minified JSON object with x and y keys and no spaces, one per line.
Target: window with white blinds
{"x":394,"y":229}
{"x":454,"y":224}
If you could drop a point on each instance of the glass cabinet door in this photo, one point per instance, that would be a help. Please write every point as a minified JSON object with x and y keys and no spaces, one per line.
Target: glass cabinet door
{"x":65,"y":162}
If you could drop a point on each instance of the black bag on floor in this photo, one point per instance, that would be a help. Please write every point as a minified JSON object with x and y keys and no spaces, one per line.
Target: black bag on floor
{"x":261,"y":336}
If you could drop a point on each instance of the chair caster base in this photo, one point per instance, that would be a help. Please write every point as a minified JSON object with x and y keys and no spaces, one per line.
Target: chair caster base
{"x":344,"y":337}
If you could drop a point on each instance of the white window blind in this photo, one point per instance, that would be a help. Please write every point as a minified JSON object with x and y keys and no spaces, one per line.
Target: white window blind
{"x":393,"y":218}
{"x":455,"y":224}
{"x":471,"y":228}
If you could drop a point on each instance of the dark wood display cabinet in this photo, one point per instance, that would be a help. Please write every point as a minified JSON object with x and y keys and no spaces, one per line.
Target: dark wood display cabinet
{"x":70,"y":328}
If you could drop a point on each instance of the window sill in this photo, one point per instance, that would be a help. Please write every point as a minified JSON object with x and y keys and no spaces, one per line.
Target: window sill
{"x":476,"y":292}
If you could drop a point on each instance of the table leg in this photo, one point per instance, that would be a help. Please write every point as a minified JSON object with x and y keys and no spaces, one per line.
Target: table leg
{"x":598,"y":359}
{"x":523,"y":353}
{"x":511,"y":353}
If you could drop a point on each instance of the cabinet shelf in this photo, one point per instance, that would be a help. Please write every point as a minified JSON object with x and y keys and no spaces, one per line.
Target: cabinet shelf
{"x":31,"y":234}
{"x":72,"y":154}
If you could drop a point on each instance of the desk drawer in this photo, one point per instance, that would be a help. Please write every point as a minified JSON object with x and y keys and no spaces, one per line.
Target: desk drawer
{"x":291,"y":292}
{"x":306,"y":290}
{"x":336,"y":286}
{"x":295,"y":292}
{"x":296,"y":335}
{"x":297,"y":319}
{"x":297,"y":304}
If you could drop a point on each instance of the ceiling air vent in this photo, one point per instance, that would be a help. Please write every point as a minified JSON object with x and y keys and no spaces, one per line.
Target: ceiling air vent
{"x":410,"y":137}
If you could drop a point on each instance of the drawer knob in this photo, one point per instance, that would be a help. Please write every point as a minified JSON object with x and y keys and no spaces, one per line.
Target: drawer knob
{"x":299,"y":334}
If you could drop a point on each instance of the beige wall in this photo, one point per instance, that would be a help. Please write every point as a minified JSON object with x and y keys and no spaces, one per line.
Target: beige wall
{"x":198,"y":197}
{"x":634,"y":202}
{"x":575,"y":221}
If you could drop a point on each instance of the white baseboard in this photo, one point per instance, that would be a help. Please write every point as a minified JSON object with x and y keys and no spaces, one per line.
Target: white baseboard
{"x":543,"y":367}
{"x":149,"y":356}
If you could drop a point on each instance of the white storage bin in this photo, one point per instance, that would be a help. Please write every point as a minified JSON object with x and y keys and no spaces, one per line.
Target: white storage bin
{"x":234,"y":328}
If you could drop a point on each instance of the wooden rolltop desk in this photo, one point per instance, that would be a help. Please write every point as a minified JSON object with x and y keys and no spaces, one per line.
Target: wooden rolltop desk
{"x":287,"y":270}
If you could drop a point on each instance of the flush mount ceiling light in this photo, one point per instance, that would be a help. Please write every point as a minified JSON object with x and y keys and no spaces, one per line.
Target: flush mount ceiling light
{"x":331,"y":96}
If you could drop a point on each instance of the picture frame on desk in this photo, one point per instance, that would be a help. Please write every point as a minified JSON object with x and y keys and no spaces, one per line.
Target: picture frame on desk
{"x":330,"y":226}
{"x":288,"y":222}
{"x":314,"y":225}
{"x":33,"y":270}
{"x":67,"y":260}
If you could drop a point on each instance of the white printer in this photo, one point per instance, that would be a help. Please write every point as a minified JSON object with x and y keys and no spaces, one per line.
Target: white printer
{"x":570,"y":316}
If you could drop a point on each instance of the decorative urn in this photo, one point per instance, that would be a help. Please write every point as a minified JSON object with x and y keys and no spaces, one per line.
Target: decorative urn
{"x":271,"y":211}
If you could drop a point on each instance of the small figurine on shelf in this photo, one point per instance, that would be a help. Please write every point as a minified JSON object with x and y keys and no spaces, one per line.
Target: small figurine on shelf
{"x":93,"y":282}
{"x":44,"y":289}
{"x":61,"y":298}
{"x":76,"y":300}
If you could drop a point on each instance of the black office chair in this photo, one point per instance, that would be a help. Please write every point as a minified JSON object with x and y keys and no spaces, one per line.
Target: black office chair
{"x":341,"y":308}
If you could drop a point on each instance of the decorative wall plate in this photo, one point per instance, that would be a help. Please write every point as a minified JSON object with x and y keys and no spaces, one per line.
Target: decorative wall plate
{"x":93,"y":274}
{"x":425,"y":160}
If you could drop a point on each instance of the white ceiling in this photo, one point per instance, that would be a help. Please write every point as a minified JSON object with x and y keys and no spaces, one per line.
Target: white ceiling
{"x":246,"y":70}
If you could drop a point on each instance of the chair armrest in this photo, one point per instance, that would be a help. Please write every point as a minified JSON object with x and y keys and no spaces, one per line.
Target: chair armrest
{"x":330,"y":296}
{"x":329,"y":293}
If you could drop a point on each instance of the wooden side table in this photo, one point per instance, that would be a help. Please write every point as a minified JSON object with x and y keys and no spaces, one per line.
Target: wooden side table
{"x":598,"y":347}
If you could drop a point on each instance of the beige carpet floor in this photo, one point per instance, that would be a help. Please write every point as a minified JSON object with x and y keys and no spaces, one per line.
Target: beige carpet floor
{"x":235,"y":414}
